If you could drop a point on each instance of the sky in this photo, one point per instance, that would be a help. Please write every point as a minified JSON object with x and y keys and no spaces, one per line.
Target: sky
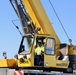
{"x":10,"y":37}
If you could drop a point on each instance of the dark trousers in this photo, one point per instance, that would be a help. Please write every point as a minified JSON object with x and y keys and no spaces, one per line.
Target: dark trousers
{"x":37,"y":60}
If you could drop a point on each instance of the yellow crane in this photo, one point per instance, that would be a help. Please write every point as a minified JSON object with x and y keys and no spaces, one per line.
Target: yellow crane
{"x":37,"y":28}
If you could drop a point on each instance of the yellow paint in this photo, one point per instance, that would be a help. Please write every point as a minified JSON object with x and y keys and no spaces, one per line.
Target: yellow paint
{"x":27,"y":63}
{"x":3,"y":63}
{"x":62,"y":64}
{"x":7,"y":63}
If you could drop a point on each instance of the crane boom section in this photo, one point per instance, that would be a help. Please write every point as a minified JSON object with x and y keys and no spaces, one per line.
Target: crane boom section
{"x":39,"y":17}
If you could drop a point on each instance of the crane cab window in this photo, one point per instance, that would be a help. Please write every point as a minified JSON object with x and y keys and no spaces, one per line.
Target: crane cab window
{"x":50,"y":46}
{"x":26,"y":44}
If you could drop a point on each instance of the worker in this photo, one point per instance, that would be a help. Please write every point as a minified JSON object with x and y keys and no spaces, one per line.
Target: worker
{"x":38,"y":51}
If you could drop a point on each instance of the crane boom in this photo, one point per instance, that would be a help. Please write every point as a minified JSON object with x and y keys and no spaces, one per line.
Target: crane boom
{"x":39,"y":17}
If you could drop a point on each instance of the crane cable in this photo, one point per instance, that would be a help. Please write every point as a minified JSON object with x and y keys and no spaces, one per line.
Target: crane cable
{"x":70,"y":41}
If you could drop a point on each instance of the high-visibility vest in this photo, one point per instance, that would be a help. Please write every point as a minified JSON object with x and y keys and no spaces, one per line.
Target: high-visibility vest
{"x":38,"y":50}
{"x":42,"y":48}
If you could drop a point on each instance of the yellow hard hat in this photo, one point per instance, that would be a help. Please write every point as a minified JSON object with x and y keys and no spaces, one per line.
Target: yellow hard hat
{"x":44,"y":40}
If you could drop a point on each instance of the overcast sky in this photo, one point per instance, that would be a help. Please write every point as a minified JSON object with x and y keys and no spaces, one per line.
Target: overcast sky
{"x":10,"y":37}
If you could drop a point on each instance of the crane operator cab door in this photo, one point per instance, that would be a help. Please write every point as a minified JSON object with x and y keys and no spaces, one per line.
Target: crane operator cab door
{"x":49,"y":55}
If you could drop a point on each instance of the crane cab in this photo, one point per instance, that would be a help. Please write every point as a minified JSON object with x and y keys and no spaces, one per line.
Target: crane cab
{"x":48,"y":58}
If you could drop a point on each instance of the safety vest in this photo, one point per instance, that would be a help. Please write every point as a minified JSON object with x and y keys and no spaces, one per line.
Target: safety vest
{"x":42,"y":48}
{"x":38,"y":50}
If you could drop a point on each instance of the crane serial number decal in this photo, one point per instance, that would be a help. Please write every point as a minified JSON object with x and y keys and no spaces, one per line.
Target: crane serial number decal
{"x":62,"y":64}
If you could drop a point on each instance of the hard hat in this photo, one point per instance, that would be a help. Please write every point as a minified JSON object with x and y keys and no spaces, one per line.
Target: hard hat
{"x":44,"y":40}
